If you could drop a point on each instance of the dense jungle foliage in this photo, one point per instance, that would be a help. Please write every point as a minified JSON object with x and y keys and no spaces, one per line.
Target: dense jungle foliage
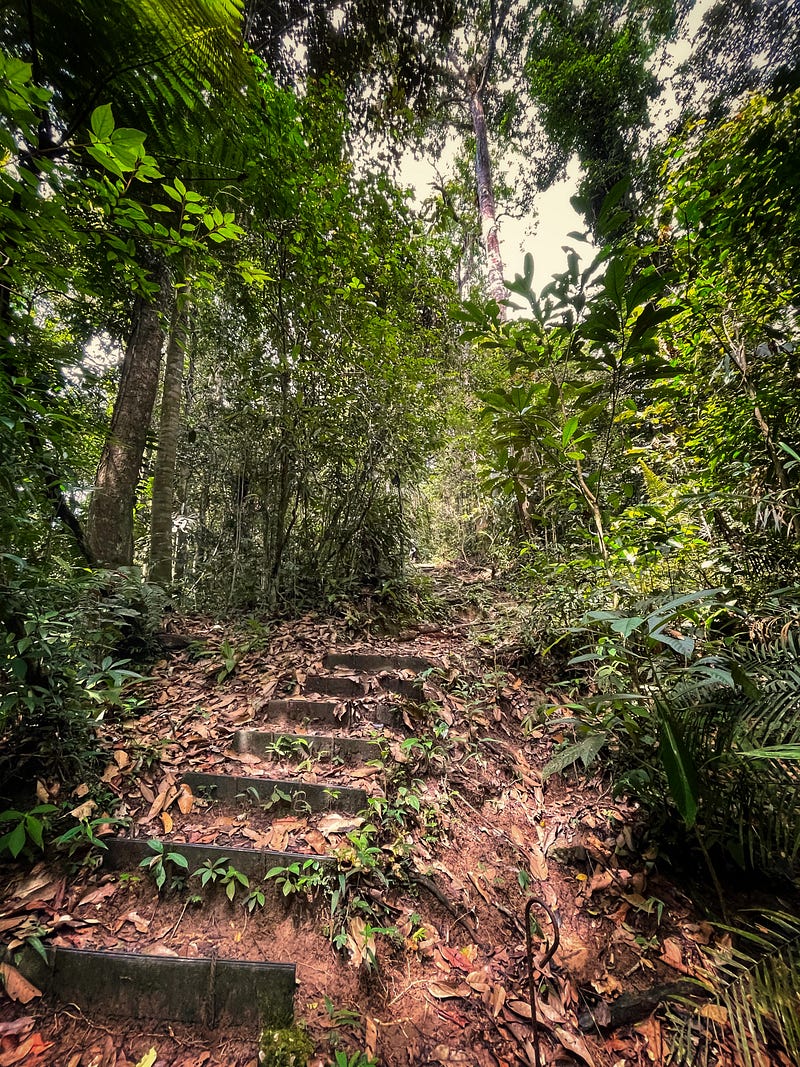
{"x":244,"y":370}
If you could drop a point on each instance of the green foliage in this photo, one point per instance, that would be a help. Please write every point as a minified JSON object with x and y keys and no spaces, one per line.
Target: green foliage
{"x":755,"y":985}
{"x":163,"y":864}
{"x":222,"y":870}
{"x":28,"y":830}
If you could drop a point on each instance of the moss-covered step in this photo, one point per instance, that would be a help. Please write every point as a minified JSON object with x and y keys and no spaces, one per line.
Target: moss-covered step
{"x":281,"y":794}
{"x":336,"y":686}
{"x":125,"y":853}
{"x":374,"y":662}
{"x":169,"y":988}
{"x":299,"y":746}
{"x":296,"y":709}
{"x":331,"y":712}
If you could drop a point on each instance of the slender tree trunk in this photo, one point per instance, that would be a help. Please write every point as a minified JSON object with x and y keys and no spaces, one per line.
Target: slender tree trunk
{"x":160,"y":562}
{"x":485,"y":189}
{"x":110,"y":522}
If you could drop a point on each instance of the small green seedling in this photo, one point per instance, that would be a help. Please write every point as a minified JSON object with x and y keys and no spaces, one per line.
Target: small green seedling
{"x":157,"y":864}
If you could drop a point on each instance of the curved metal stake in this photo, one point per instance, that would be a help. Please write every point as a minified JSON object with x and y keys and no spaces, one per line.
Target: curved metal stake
{"x":551,"y":948}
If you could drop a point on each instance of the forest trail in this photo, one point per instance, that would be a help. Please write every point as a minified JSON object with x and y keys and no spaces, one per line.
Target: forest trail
{"x":389,"y":787}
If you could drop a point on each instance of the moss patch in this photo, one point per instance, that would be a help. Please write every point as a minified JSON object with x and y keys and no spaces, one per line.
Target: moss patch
{"x":290,"y":1047}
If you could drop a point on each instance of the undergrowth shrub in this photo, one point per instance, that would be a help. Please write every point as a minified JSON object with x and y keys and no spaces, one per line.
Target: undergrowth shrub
{"x":64,"y":662}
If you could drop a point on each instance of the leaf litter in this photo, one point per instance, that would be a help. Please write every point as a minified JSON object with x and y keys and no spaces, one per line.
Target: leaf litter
{"x":433,"y":994}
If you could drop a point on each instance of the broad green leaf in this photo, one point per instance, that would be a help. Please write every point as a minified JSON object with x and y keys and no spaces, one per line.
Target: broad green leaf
{"x":102,"y":122}
{"x":568,"y":432}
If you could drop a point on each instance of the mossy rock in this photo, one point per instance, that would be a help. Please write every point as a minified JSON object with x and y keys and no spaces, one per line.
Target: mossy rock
{"x":289,"y":1047}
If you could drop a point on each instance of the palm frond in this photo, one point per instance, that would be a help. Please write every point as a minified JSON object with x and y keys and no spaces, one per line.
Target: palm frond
{"x":755,"y":986}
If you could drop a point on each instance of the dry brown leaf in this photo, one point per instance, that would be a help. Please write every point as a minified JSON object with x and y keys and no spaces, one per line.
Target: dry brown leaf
{"x":84,"y":811}
{"x":370,"y":1038}
{"x":650,"y":1030}
{"x":360,"y":943}
{"x":446,"y":991}
{"x":718,"y":1013}
{"x":338,"y":824}
{"x":17,"y":985}
{"x":17,"y":1027}
{"x":315,"y":841}
{"x":575,"y":1044}
{"x":479,"y":981}
{"x":121,"y":758}
{"x":496,"y":1000}
{"x":185,"y":798}
{"x":166,"y":821}
{"x":80,"y":790}
{"x":42,"y":794}
{"x":97,"y":895}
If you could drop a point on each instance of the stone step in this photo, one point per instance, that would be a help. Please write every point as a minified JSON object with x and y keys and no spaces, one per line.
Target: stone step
{"x":302,"y":795}
{"x":267,"y":743}
{"x":336,"y":686}
{"x":207,"y":992}
{"x":375,"y":662}
{"x":126,"y":853}
{"x":331,"y":712}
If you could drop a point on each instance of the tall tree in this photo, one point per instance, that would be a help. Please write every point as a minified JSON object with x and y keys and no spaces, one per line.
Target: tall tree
{"x":590,"y":77}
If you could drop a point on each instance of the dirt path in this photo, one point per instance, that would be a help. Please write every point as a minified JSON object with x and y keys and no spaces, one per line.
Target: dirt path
{"x":404,"y":913}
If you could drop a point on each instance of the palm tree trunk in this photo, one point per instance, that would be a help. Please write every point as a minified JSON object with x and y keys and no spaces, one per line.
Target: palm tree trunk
{"x":110,"y":520}
{"x":160,"y":560}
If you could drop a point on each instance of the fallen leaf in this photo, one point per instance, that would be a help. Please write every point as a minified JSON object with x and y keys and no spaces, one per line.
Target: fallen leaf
{"x":185,"y":799}
{"x":718,"y":1013}
{"x":42,"y":795}
{"x":370,"y":1038}
{"x":575,"y":1044}
{"x":81,"y":790}
{"x":32,"y":1046}
{"x":315,"y":841}
{"x":83,"y":811}
{"x":496,"y":1000}
{"x":17,"y":1026}
{"x":121,"y":758}
{"x":338,"y":824}
{"x":16,"y":985}
{"x":445,"y":991}
{"x":167,"y":822}
{"x":148,"y":1059}
{"x":97,"y":895}
{"x":650,"y":1030}
{"x":360,"y":944}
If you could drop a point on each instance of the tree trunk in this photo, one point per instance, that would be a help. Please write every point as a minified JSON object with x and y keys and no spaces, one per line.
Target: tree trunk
{"x":160,"y":561}
{"x":110,"y":522}
{"x":485,"y":189}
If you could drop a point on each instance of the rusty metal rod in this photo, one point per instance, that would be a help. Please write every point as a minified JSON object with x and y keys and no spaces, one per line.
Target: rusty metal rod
{"x":551,"y":948}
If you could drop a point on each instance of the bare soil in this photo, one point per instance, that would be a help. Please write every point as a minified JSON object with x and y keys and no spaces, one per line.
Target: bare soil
{"x":449,"y":983}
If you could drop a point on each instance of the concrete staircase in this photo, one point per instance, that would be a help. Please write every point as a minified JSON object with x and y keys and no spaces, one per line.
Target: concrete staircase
{"x":343,"y":711}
